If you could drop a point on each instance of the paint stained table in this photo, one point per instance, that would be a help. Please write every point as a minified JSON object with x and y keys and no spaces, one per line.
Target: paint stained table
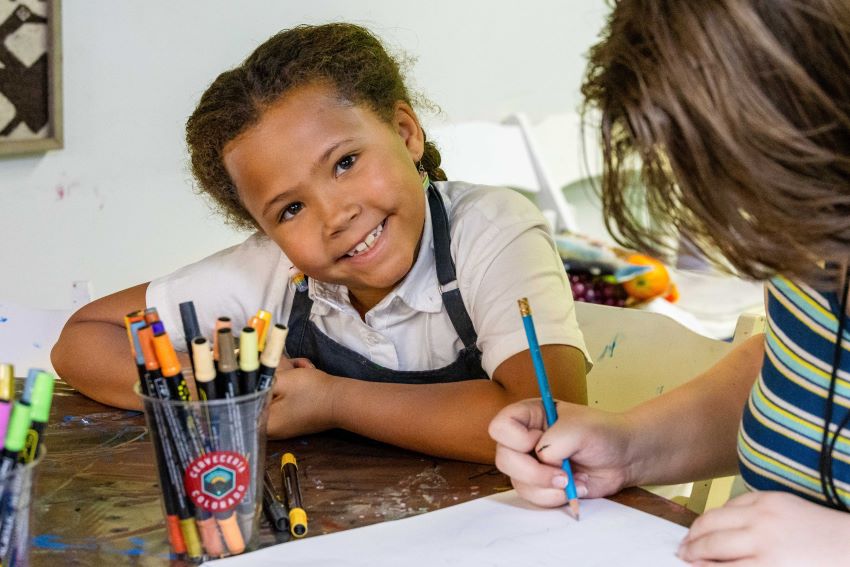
{"x":97,"y":498}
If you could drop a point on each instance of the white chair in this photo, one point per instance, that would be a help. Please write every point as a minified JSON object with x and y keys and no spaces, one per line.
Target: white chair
{"x":27,"y":334}
{"x":639,"y":355}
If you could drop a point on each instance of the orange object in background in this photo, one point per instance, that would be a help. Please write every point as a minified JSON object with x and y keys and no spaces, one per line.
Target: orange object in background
{"x":651,"y":284}
{"x":673,"y":294}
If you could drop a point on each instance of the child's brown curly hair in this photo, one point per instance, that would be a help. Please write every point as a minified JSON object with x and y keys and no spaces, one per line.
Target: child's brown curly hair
{"x":344,"y":55}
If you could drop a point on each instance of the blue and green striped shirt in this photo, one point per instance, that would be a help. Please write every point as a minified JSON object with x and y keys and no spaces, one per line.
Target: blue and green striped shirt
{"x":781,"y":431}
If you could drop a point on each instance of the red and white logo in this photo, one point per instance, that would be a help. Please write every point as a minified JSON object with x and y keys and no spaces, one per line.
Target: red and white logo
{"x":217,"y":481}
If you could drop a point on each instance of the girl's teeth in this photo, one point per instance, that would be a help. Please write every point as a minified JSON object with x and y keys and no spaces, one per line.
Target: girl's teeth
{"x":367,"y":243}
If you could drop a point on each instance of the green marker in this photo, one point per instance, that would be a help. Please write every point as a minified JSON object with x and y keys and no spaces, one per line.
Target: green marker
{"x":41,"y":397}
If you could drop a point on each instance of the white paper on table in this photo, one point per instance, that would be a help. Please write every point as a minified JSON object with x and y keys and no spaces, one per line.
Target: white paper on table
{"x":497,"y":530}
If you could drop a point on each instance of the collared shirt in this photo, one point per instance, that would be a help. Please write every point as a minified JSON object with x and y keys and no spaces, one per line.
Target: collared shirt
{"x":502,"y":252}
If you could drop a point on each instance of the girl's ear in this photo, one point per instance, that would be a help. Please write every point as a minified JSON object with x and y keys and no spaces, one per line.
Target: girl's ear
{"x":407,"y":125}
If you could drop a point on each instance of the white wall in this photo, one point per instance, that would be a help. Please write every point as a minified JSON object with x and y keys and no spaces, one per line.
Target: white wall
{"x":116,"y":205}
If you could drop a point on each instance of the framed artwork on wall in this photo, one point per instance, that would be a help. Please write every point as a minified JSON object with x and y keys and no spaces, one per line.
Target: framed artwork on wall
{"x":30,"y":76}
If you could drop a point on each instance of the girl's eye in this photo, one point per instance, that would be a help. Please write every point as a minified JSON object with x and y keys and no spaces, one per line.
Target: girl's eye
{"x":290,"y":211}
{"x":344,"y":164}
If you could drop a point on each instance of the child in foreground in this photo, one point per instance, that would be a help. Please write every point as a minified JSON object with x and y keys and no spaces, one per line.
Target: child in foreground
{"x":739,"y":112}
{"x":403,"y":326}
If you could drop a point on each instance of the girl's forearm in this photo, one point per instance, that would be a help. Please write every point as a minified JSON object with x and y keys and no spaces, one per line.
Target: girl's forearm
{"x":94,"y":358}
{"x":448,"y":420}
{"x":691,"y":432}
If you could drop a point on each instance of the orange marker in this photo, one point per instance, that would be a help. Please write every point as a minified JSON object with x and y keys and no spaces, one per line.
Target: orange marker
{"x":263,"y":332}
{"x":182,"y":531}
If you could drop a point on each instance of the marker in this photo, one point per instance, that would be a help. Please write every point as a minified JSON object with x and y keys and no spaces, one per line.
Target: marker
{"x":174,"y":453}
{"x":191,"y":329}
{"x":227,"y":379}
{"x":29,"y":384}
{"x":7,"y":394}
{"x":39,"y":398}
{"x":7,"y":382}
{"x":133,"y":322}
{"x":275,"y":509}
{"x":204,"y":378}
{"x":169,"y":364}
{"x":19,"y":424}
{"x":228,"y":387}
{"x":248,"y":361}
{"x":546,"y":395}
{"x":179,"y":390}
{"x":144,"y":377}
{"x":204,"y":369}
{"x":16,"y":435}
{"x":271,"y":356}
{"x":297,"y":514}
{"x":151,"y":315}
{"x":258,"y":325}
{"x":186,"y":425}
{"x":228,"y":376}
{"x":172,"y":520}
{"x":220,"y":323}
{"x":266,"y":318}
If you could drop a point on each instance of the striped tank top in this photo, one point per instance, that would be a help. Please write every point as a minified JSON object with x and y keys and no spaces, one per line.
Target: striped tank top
{"x":781,"y":431}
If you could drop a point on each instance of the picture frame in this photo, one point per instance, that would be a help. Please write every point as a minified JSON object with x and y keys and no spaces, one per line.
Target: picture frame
{"x":30,"y":76}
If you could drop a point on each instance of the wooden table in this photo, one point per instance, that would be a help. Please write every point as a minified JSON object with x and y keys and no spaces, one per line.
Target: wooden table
{"x":97,"y":498}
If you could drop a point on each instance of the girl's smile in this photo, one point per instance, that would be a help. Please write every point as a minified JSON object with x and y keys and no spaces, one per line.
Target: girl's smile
{"x":368,"y":243}
{"x":336,"y":187}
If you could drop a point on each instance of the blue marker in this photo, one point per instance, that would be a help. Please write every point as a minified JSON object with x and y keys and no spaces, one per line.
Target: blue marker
{"x":546,"y":395}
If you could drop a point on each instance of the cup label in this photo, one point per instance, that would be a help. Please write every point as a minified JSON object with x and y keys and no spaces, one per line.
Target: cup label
{"x":217,"y":481}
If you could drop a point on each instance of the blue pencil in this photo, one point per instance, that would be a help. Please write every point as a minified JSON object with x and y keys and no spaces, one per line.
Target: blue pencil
{"x":546,"y":395}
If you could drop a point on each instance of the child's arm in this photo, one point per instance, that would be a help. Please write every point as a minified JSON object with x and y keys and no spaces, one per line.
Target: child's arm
{"x":449,"y":420}
{"x":691,"y":433}
{"x":93,"y":352}
{"x":686,"y":434}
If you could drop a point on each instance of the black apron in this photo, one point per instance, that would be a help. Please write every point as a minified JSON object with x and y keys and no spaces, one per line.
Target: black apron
{"x":305,"y":339}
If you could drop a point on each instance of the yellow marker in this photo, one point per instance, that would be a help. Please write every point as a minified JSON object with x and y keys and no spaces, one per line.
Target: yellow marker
{"x":7,"y":382}
{"x":297,"y":514}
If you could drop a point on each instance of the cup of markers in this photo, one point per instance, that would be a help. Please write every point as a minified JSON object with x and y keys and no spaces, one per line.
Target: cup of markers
{"x":209,"y":449}
{"x":22,"y":424}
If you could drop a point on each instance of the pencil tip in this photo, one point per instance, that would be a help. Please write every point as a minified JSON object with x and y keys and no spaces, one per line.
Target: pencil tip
{"x":574,"y":509}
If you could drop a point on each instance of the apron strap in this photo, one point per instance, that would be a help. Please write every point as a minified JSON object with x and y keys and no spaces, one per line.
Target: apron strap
{"x":446,"y":270}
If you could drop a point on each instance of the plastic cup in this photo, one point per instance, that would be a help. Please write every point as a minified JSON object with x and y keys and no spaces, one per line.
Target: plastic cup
{"x":16,"y":499}
{"x":210,"y":457}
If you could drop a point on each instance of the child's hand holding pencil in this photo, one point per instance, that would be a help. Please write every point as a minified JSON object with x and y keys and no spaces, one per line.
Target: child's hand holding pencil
{"x":595,"y":442}
{"x":538,"y":450}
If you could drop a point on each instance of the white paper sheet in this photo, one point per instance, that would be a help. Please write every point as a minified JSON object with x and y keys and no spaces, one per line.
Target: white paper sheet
{"x":497,"y":530}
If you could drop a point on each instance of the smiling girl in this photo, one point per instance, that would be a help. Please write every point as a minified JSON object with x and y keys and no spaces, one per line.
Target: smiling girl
{"x":407,"y":330}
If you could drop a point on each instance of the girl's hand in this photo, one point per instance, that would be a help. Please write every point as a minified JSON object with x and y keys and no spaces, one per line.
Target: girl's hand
{"x":768,"y":528}
{"x":290,"y":363}
{"x":301,"y":400}
{"x":596,"y":443}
